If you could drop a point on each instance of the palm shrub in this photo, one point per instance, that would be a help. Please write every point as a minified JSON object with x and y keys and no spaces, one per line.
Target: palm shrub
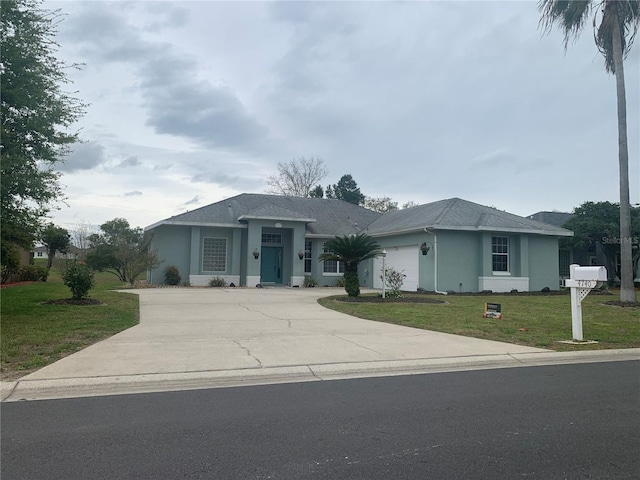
{"x":79,"y":278}
{"x":351,"y":250}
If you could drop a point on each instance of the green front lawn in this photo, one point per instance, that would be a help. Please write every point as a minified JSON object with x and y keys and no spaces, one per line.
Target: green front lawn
{"x":536,"y":321}
{"x":33,"y":334}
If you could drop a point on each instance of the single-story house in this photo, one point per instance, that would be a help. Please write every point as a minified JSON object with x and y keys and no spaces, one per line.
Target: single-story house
{"x":42,"y":251}
{"x":449,"y":245}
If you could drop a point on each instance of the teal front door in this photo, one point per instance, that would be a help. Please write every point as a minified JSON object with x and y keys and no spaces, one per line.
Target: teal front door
{"x":271,"y":265}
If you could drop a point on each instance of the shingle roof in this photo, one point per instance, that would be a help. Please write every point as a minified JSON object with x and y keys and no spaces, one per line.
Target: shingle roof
{"x":458,"y":214}
{"x":552,"y":218}
{"x":274,"y":212}
{"x":332,"y":217}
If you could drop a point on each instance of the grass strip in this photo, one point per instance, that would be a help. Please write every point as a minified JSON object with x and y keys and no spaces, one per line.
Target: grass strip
{"x":536,"y":321}
{"x":33,"y":334}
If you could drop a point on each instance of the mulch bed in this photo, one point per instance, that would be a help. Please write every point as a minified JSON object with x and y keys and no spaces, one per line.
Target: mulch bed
{"x":376,"y":299}
{"x":624,"y":304}
{"x":14,"y":284}
{"x":502,"y":294}
{"x":73,"y":301}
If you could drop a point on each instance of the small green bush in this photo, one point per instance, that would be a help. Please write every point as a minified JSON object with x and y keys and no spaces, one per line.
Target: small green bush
{"x":33,"y":273}
{"x":394,"y":281}
{"x":6,"y":274}
{"x":171,"y":275}
{"x":339,"y":282}
{"x":79,"y":278}
{"x":310,"y":282}
{"x":217,"y":282}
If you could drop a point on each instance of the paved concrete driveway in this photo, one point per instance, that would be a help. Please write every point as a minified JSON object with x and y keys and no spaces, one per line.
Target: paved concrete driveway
{"x":195,"y":330}
{"x":192,"y":338}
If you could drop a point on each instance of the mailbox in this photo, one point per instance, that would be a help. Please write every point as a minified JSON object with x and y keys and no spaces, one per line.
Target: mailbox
{"x":599,"y":274}
{"x":582,"y":280}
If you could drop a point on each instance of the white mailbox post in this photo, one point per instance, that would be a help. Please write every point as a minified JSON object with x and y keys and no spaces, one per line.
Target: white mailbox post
{"x":581,"y":281}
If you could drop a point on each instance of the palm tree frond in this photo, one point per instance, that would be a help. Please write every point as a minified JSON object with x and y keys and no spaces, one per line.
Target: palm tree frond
{"x":569,"y":15}
{"x":351,"y":249}
{"x":627,"y":14}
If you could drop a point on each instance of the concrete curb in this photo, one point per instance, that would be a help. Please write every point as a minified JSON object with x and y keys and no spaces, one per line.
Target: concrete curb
{"x":164,"y":382}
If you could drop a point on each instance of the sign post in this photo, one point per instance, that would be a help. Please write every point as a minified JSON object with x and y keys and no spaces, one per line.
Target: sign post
{"x":492,"y":310}
{"x":581,"y":281}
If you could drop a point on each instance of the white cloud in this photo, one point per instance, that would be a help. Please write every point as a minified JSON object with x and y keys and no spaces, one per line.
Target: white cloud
{"x":417,"y":100}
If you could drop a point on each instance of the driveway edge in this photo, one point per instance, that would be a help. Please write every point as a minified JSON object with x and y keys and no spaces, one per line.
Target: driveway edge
{"x":21,"y":390}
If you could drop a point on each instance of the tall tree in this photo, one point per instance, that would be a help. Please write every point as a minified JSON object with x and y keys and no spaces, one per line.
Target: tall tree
{"x":599,"y":223}
{"x":317,"y":192}
{"x":409,"y":204}
{"x":80,"y":237}
{"x":351,"y":250}
{"x":615,"y":24}
{"x":121,"y":250}
{"x":381,"y":204}
{"x":56,"y":239}
{"x":346,"y":189}
{"x":297,"y":177}
{"x":36,"y":117}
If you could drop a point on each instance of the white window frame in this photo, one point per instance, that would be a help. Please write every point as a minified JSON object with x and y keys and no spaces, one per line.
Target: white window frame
{"x":504,"y":254}
{"x":204,"y":241}
{"x":269,"y":238}
{"x":308,"y":249}
{"x":339,"y":265}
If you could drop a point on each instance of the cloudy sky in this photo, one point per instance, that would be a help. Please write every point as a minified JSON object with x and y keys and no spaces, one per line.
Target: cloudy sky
{"x":193,"y":102}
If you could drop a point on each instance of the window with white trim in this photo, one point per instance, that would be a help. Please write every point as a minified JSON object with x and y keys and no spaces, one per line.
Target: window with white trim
{"x":308,"y":245}
{"x":332,"y":266}
{"x":500,"y":254}
{"x":214,"y":254}
{"x":272,"y":238}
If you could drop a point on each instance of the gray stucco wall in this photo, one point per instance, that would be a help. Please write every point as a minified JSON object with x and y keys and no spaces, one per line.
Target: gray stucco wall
{"x":173,"y":244}
{"x":543,"y":263}
{"x":459,"y":261}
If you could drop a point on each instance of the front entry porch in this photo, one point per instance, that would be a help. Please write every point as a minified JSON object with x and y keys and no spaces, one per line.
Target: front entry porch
{"x":271,"y":265}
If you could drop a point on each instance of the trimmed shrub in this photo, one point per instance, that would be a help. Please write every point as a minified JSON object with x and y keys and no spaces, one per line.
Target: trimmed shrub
{"x":33,"y":273}
{"x":217,"y":282}
{"x":310,"y":282}
{"x":352,"y":284}
{"x":171,"y":275}
{"x":79,"y":278}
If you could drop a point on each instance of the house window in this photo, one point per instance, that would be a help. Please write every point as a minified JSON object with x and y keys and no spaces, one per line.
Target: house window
{"x":500,"y":254}
{"x":308,"y":244}
{"x":272,"y":238}
{"x":39,"y":254}
{"x":332,"y":266}
{"x":214,"y":255}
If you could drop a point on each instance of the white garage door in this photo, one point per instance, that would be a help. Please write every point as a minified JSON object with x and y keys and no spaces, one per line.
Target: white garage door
{"x":402,"y":259}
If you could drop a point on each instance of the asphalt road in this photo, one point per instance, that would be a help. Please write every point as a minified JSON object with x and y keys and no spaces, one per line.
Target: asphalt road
{"x":558,"y":422}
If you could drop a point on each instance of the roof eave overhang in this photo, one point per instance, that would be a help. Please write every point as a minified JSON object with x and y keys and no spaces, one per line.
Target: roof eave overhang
{"x":430,"y":228}
{"x":194,"y":224}
{"x":558,"y":233}
{"x":277,"y":219}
